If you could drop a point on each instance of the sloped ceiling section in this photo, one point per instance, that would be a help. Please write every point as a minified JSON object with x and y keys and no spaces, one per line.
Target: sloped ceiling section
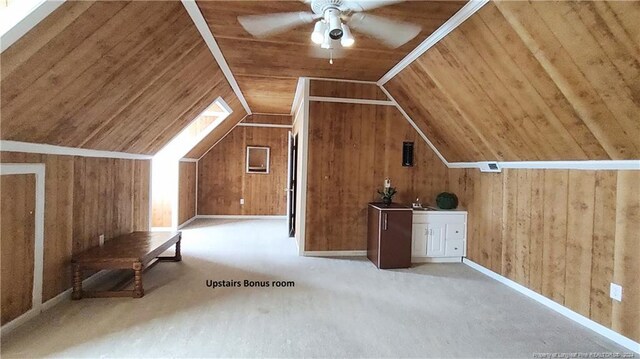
{"x":117,"y":76}
{"x":267,"y":69}
{"x":526,"y":81}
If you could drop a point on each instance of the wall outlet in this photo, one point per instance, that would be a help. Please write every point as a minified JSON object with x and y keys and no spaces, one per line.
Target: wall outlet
{"x":615,"y":292}
{"x":241,"y":201}
{"x":101,"y":240}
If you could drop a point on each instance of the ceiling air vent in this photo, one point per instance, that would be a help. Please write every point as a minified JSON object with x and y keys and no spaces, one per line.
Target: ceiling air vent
{"x":489,"y":167}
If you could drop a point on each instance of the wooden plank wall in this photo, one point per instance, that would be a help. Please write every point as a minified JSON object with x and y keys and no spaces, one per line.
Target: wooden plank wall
{"x":366,"y":91}
{"x":526,"y":81}
{"x":566,"y":234}
{"x":17,"y":234}
{"x":111,"y":75}
{"x":223,"y":181}
{"x":352,"y":148}
{"x":186,"y":191}
{"x":86,"y":197}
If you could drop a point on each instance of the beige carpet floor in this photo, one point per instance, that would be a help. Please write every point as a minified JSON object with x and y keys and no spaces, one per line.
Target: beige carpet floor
{"x":337,"y":308}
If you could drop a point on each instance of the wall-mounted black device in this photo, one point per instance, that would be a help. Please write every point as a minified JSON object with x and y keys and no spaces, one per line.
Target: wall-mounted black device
{"x":407,"y":154}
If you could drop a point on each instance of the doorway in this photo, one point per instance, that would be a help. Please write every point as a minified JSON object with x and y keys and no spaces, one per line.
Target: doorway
{"x":291,"y":183}
{"x":21,"y":241}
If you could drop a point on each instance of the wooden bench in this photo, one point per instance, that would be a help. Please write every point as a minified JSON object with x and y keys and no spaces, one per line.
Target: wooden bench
{"x":136,"y":251}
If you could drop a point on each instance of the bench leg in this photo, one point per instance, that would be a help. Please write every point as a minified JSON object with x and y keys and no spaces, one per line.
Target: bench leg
{"x":77,"y":283}
{"x":178,"y":256}
{"x":138,"y":290}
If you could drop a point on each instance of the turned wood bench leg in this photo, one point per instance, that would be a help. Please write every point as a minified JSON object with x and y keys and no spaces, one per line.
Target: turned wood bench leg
{"x":138,"y":290}
{"x":77,"y":283}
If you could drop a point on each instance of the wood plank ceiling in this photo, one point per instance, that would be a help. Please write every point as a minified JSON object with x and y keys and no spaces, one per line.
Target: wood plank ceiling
{"x":525,"y":81}
{"x":267,"y":69}
{"x":118,"y":76}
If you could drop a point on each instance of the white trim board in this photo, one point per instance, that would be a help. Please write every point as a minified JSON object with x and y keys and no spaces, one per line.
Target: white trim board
{"x":38,"y":169}
{"x":301,"y":177}
{"x":456,"y":20}
{"x":272,"y":125}
{"x":360,"y":253}
{"x":64,"y":296}
{"x":28,"y":147}
{"x":185,"y":159}
{"x":44,"y":9}
{"x":201,"y":24}
{"x":351,"y":100}
{"x":270,"y":114}
{"x":571,"y":165}
{"x":578,"y":318}
{"x":186,"y":223}
{"x":342,"y":80}
{"x":297,"y":97}
{"x":413,"y":124}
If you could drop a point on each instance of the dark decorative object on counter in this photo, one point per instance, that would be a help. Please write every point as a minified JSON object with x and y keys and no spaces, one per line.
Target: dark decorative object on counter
{"x":387,"y":192}
{"x":446,"y":200}
{"x":387,"y":195}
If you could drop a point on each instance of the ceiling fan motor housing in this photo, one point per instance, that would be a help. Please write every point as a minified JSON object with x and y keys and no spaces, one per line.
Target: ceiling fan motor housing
{"x":321,"y":6}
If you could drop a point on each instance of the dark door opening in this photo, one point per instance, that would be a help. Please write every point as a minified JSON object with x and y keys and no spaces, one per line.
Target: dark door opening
{"x":291,"y":181}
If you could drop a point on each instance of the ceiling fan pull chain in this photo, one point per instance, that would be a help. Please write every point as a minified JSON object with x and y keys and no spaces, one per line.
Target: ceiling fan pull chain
{"x":331,"y":56}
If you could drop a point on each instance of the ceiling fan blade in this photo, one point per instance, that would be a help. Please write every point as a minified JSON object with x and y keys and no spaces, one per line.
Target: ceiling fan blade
{"x":365,"y":5}
{"x":271,"y":24}
{"x":389,"y":32}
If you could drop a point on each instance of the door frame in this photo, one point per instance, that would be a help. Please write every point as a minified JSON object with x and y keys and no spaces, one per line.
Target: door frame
{"x":292,"y":169}
{"x":38,"y":266}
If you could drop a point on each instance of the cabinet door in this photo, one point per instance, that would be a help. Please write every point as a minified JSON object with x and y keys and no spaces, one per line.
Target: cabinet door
{"x":435,"y":240}
{"x":419,"y":240}
{"x":395,"y":239}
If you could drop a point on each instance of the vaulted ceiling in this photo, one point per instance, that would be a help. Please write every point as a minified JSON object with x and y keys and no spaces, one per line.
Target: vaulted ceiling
{"x":109,"y":75}
{"x":517,"y":81}
{"x":524,"y":81}
{"x":267,"y":69}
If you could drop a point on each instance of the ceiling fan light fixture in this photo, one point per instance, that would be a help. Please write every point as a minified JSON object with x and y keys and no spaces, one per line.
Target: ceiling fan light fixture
{"x":347,"y":39}
{"x":332,"y":16}
{"x":326,"y":44}
{"x":318,"y":34}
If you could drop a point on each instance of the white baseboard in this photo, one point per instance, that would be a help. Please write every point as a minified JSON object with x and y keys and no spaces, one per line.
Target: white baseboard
{"x":335,"y":253}
{"x":64,"y":296}
{"x":436,"y":260}
{"x":224,"y":216}
{"x":188,"y":221}
{"x":578,"y":318}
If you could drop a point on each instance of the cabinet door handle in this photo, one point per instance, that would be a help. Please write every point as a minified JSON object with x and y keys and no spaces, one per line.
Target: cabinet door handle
{"x":384,"y":220}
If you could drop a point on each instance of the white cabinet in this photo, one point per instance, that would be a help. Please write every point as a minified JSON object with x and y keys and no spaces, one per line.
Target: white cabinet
{"x":439,"y":236}
{"x":435,"y":240}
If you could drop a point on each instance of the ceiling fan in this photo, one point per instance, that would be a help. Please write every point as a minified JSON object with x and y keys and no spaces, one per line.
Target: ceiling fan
{"x":334,"y":21}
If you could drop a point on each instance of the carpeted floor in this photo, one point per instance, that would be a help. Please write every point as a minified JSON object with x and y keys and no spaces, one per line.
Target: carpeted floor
{"x":337,"y":308}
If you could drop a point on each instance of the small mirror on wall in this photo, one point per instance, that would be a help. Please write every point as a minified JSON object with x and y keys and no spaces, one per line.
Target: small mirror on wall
{"x":257,"y":159}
